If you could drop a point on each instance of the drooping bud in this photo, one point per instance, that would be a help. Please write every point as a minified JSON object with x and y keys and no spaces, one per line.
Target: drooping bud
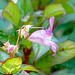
{"x":25,"y":31}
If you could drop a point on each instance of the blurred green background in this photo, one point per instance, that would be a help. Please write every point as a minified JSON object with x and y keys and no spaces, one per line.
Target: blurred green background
{"x":38,"y":12}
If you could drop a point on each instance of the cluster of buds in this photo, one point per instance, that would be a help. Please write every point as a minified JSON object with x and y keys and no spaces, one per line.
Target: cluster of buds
{"x":9,"y":48}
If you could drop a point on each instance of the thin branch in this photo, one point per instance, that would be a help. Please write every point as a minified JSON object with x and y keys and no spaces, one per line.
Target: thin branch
{"x":26,"y":55}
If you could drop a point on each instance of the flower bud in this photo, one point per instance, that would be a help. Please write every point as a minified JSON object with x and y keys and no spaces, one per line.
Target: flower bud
{"x":25,"y":31}
{"x":7,"y":43}
{"x":10,"y":48}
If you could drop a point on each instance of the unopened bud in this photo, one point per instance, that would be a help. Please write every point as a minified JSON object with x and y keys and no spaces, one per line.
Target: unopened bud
{"x":25,"y":31}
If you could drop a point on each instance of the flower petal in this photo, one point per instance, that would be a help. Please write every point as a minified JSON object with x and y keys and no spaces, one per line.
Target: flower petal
{"x":54,"y":47}
{"x":7,"y":43}
{"x":10,"y":48}
{"x":51,"y":24}
{"x":38,"y":36}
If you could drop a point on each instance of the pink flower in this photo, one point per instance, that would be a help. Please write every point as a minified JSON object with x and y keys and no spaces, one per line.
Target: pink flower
{"x":9,"y":48}
{"x":7,"y":43}
{"x":45,"y":36}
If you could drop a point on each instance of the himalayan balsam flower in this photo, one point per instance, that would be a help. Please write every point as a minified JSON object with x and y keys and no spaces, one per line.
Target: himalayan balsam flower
{"x":9,"y":48}
{"x":45,"y":36}
{"x":25,"y":31}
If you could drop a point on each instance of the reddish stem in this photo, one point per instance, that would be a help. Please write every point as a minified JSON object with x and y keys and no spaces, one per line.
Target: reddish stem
{"x":7,"y":74}
{"x":26,"y":55}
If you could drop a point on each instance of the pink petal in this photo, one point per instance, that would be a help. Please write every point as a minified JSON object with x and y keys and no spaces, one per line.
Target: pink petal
{"x":25,"y":33}
{"x":38,"y":36}
{"x":10,"y":48}
{"x":41,"y":37}
{"x":51,"y":24}
{"x":54,"y":47}
{"x":7,"y":43}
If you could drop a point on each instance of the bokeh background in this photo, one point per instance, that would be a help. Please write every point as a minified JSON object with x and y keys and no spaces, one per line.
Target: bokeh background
{"x":37,"y":13}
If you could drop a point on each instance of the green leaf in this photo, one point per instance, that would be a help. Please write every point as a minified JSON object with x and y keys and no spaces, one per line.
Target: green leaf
{"x":1,"y":73}
{"x":72,"y":4}
{"x":23,"y":73}
{"x":72,"y":36}
{"x":43,"y":3}
{"x":33,"y":73}
{"x":3,"y":4}
{"x":2,"y":24}
{"x":30,"y":68}
{"x":17,"y":73}
{"x":39,"y":4}
{"x":69,"y":18}
{"x":11,"y":65}
{"x":11,"y":12}
{"x":68,"y":8}
{"x":61,"y":1}
{"x":27,"y":43}
{"x":39,"y":50}
{"x":25,"y":7}
{"x":53,"y":10}
{"x":65,"y":72}
{"x":65,"y":52}
{"x":46,"y":24}
{"x":3,"y":56}
{"x":69,"y":64}
{"x":35,"y":4}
